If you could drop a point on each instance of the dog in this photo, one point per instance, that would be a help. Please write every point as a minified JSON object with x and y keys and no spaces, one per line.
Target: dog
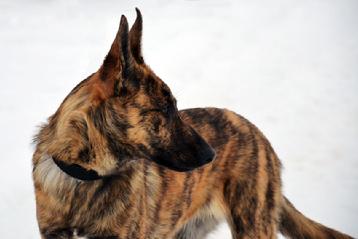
{"x":119,"y":160}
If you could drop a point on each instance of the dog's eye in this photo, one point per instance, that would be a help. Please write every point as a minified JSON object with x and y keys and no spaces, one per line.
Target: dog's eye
{"x":164,"y":110}
{"x":147,"y":111}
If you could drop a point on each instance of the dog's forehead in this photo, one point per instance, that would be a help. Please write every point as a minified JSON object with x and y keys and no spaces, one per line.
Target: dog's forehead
{"x":151,"y":83}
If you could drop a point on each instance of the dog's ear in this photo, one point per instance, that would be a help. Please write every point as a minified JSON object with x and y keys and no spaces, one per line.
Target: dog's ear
{"x":119,"y":61}
{"x":135,"y":38}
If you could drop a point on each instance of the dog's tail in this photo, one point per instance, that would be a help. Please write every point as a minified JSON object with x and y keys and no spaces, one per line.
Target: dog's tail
{"x":295,"y":225}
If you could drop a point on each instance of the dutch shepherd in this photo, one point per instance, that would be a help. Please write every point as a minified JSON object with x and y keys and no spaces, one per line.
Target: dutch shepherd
{"x":118,"y":160}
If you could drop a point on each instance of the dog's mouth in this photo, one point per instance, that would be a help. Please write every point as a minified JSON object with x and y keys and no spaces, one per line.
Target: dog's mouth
{"x":183,"y":161}
{"x":183,"y":165}
{"x":187,"y":151}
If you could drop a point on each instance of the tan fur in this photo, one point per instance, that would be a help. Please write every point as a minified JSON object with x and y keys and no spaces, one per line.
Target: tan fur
{"x":150,"y":169}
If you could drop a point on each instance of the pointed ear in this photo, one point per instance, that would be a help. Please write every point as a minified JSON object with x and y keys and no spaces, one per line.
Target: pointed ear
{"x":135,"y":38}
{"x":119,"y":59}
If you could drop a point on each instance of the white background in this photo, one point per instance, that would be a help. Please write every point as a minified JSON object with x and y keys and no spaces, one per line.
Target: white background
{"x":291,"y":67}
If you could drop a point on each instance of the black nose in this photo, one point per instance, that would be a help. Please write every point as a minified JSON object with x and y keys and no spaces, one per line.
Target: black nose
{"x":207,"y":155}
{"x":187,"y":152}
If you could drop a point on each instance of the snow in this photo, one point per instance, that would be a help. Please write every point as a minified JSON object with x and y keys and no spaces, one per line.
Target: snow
{"x":288,"y":66}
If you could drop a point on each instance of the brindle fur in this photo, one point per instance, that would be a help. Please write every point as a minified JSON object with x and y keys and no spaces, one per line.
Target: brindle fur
{"x":122,"y":122}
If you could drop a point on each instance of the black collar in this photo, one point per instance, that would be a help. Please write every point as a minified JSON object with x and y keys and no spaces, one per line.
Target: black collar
{"x":76,"y":171}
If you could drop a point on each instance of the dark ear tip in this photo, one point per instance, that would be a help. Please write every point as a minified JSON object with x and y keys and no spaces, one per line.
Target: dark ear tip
{"x":123,"y":25}
{"x":123,"y":21}
{"x":139,"y":14}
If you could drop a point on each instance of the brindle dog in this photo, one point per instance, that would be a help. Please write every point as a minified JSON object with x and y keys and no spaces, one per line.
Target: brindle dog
{"x":118,"y":160}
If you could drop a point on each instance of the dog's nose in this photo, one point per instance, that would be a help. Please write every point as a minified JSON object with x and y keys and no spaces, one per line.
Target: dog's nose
{"x":207,"y":155}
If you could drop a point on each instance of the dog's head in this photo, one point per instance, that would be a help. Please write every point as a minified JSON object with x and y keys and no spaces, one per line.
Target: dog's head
{"x":121,"y":113}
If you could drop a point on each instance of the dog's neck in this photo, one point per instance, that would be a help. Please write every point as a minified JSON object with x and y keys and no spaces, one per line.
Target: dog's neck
{"x":58,"y":181}
{"x":56,"y":177}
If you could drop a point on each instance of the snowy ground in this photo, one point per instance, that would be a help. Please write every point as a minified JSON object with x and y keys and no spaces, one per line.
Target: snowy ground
{"x":291,"y":67}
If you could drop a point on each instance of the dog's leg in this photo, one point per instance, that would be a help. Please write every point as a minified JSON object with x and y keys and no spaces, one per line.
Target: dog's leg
{"x":249,"y":217}
{"x":241,"y":231}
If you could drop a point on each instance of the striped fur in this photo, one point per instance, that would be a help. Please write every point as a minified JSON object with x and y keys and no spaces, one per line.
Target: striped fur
{"x":158,"y":178}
